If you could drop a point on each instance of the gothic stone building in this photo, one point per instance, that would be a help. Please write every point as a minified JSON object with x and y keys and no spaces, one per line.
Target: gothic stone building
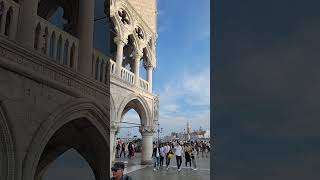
{"x":58,"y":92}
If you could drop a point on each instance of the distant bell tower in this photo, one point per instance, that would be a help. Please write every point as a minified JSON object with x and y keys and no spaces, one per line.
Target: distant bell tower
{"x":147,"y":9}
{"x":188,"y":130}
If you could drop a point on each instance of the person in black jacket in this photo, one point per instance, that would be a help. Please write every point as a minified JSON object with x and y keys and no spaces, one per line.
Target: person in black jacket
{"x":123,"y":149}
{"x":118,"y":149}
{"x":156,"y":157}
{"x":117,"y":172}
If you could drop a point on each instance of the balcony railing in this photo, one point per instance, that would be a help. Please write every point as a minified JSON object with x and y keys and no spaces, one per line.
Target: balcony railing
{"x":55,"y":43}
{"x":9,"y":12}
{"x":144,"y":84}
{"x":112,"y":67}
{"x":127,"y":75}
{"x":99,"y":67}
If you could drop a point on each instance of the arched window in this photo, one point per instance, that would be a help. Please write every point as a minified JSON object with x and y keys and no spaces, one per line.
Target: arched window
{"x":8,"y":22}
{"x":73,"y":48}
{"x":36,"y":37}
{"x":65,"y":53}
{"x":45,"y":40}
{"x":52,"y":42}
{"x":58,"y":57}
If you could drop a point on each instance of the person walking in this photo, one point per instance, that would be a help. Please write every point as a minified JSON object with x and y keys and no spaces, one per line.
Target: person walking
{"x":166,"y":149}
{"x":123,"y":148}
{"x":203,"y":150}
{"x":178,"y":155}
{"x":155,"y":156}
{"x":162,"y":155}
{"x":169,"y":156}
{"x":130,"y":150}
{"x":187,"y":156}
{"x":193,"y":153}
{"x":118,"y":149}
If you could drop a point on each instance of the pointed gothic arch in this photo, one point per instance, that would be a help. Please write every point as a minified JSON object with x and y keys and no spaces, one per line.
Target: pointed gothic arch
{"x":90,"y":119}
{"x":139,"y":104}
{"x":7,"y":155}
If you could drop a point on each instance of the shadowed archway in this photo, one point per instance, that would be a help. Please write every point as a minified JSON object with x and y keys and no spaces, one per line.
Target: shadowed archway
{"x":82,"y":125}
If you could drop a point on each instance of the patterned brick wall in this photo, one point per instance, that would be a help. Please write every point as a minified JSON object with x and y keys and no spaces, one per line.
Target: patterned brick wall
{"x":147,"y":10}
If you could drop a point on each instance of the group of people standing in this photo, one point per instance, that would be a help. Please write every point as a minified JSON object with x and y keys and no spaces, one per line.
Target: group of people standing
{"x":166,"y":151}
{"x":122,"y":148}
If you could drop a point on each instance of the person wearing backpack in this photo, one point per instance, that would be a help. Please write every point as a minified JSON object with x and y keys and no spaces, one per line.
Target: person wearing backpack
{"x":117,"y":172}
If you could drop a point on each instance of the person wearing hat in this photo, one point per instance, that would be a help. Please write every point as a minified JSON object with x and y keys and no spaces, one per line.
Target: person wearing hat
{"x":117,"y":172}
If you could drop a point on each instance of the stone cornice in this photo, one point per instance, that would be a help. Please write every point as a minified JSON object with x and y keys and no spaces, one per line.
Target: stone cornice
{"x":38,"y":67}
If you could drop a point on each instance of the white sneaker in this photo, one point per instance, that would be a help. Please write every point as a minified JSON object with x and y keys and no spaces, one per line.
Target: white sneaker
{"x":167,"y":168}
{"x":179,"y":170}
{"x":154,"y":169}
{"x":195,"y":169}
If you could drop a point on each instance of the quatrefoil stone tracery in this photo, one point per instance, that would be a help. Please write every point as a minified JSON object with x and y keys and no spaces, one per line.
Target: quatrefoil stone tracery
{"x":123,"y":16}
{"x":139,"y":33}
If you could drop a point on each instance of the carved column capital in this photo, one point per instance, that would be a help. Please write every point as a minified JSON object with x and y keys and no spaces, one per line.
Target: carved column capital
{"x":147,"y":65}
{"x":147,"y":129}
{"x":120,"y":40}
{"x":137,"y":55}
{"x":114,"y":127}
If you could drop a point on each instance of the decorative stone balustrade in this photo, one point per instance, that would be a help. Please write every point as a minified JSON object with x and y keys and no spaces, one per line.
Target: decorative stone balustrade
{"x":99,"y":62}
{"x":127,"y":75}
{"x":144,"y":84}
{"x":55,"y":43}
{"x":112,"y":67}
{"x":9,"y":11}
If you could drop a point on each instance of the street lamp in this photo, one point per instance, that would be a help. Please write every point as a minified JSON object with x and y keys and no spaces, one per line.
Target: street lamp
{"x":159,"y":134}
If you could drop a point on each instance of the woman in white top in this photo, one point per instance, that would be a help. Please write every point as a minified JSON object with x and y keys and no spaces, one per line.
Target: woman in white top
{"x":178,"y":156}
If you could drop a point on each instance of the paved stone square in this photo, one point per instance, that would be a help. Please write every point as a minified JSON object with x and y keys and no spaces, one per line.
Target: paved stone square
{"x":146,"y":172}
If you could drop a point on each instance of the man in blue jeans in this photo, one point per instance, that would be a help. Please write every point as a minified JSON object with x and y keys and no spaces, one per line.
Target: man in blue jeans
{"x":156,"y":157}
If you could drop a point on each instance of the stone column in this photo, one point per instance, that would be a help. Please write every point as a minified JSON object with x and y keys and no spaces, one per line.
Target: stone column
{"x":94,"y":61}
{"x":113,"y":131}
{"x":120,"y":44}
{"x":85,"y":34}
{"x":137,"y":57}
{"x":27,"y":23}
{"x":149,"y":76}
{"x":104,"y":71}
{"x":99,"y":69}
{"x":147,"y":141}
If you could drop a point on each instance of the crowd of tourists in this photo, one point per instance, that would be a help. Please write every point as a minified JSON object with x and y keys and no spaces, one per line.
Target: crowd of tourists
{"x":189,"y":150}
{"x":123,"y":147}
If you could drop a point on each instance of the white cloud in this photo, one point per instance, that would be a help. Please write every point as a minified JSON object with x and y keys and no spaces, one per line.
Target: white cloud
{"x":186,"y":97}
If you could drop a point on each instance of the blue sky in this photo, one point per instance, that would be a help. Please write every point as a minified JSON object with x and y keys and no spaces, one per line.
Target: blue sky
{"x":182,"y":75}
